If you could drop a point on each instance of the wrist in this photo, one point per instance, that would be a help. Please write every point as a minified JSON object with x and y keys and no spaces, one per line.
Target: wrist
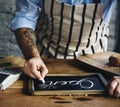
{"x":32,"y":54}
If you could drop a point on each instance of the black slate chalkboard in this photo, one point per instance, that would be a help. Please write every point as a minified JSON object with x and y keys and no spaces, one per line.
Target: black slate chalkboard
{"x":68,"y":84}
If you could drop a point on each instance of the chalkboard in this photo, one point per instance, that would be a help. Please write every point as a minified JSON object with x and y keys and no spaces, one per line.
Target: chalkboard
{"x":68,"y":84}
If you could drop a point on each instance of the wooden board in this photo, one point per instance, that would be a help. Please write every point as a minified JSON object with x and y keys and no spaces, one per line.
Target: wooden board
{"x":100,"y":61}
{"x":69,"y":84}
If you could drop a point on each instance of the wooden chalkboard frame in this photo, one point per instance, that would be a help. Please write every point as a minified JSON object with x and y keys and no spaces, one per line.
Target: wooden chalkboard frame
{"x":68,"y":92}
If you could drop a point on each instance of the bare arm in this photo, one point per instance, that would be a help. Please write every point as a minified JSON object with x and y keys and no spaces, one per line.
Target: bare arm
{"x":27,"y":41}
{"x":34,"y":66}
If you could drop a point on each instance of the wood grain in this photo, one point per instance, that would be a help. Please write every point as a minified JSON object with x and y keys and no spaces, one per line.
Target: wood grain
{"x":100,"y":62}
{"x":17,"y":95}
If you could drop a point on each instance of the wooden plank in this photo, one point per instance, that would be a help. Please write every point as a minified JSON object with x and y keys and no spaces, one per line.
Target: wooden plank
{"x":17,"y":94}
{"x":99,"y":62}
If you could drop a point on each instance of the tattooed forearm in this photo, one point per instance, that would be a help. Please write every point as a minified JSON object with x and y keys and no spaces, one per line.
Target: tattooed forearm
{"x":30,"y":36}
{"x":27,"y":41}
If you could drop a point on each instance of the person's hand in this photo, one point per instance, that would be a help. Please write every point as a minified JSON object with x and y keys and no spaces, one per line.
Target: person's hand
{"x":35,"y":68}
{"x":114,"y":86}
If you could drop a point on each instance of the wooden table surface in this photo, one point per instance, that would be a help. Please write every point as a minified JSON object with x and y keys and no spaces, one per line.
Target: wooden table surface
{"x":17,"y":94}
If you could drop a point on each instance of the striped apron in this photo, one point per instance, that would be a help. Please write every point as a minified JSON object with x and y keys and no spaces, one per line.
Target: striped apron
{"x":66,"y":31}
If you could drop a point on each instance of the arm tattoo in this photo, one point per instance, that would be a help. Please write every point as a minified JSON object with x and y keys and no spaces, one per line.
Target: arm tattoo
{"x":30,"y":36}
{"x":26,"y":39}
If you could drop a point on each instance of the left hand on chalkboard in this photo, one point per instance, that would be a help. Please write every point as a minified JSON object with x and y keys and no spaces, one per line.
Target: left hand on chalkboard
{"x":35,"y":68}
{"x":114,"y":86}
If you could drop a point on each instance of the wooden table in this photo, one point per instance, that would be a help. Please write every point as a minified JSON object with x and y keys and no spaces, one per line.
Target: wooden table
{"x":17,"y":94}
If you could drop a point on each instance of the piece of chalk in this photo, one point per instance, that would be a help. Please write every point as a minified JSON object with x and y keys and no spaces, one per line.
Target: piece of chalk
{"x":43,"y":81}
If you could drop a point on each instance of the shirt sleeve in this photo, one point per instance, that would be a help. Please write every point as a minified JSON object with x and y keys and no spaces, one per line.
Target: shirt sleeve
{"x":26,"y":14}
{"x":109,"y":6}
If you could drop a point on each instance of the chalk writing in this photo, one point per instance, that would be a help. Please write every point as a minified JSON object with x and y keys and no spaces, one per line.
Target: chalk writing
{"x":82,"y":83}
{"x":69,"y":85}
